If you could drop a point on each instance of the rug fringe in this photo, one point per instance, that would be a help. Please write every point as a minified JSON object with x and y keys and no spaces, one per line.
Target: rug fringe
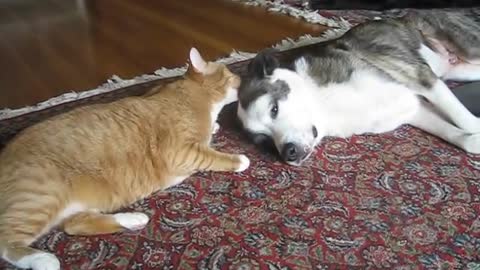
{"x":115,"y":82}
{"x":309,"y":15}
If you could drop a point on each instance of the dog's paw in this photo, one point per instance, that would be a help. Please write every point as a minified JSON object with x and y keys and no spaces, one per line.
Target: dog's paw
{"x":216,"y":128}
{"x":244,"y":163}
{"x":472,"y":126}
{"x":132,"y":221}
{"x":471,"y":143}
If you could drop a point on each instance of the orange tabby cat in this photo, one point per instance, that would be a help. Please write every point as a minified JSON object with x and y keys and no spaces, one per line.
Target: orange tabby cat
{"x":74,"y":169}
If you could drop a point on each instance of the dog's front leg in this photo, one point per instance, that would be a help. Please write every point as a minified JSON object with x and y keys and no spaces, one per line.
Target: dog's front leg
{"x":445,"y":101}
{"x":466,"y":71}
{"x":432,"y":122}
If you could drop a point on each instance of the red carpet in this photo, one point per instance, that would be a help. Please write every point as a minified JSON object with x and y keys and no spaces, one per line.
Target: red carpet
{"x":402,"y":200}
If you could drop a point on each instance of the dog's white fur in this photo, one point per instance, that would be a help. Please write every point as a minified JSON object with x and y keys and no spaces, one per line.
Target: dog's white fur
{"x":366,"y":103}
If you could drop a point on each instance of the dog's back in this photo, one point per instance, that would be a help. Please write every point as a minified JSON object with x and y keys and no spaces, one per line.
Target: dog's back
{"x":457,"y":30}
{"x":413,"y":50}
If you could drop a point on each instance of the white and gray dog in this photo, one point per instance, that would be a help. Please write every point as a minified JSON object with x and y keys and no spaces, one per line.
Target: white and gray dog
{"x":377,"y":76}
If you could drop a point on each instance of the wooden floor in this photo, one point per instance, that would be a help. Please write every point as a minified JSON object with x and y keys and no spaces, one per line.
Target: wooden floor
{"x":48,"y":47}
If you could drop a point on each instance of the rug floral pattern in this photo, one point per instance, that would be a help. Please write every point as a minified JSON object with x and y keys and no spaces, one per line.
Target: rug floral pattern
{"x":401,"y":200}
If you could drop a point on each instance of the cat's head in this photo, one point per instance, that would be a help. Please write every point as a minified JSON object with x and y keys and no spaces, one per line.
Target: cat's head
{"x":215,"y":78}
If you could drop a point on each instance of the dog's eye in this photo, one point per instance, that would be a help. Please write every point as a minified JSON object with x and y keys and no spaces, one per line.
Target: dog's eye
{"x":274,"y":111}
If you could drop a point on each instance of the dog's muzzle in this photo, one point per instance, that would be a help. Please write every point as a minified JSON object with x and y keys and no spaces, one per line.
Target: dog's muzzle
{"x":293,"y":154}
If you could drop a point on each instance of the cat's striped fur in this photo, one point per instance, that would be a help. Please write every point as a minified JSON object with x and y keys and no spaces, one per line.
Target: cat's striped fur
{"x":75,"y":169}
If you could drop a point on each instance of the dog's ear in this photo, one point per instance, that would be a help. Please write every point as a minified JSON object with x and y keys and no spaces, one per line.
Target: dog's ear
{"x":263,"y":64}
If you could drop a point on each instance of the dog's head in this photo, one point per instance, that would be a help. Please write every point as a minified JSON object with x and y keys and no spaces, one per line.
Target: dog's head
{"x":275,"y":106}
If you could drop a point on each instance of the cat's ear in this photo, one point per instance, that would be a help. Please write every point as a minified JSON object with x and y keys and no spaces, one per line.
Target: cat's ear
{"x":263,"y":64}
{"x":198,"y":64}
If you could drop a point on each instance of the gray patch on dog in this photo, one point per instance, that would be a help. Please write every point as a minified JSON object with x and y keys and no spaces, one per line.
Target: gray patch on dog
{"x":251,"y":90}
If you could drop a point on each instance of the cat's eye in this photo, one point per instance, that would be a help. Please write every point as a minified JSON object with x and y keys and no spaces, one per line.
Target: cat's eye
{"x":274,"y":111}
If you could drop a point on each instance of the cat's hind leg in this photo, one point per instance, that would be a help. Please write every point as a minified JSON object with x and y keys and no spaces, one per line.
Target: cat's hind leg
{"x":29,"y":207}
{"x":26,"y":257}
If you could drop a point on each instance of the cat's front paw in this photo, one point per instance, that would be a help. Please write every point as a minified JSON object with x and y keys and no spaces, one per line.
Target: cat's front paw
{"x":132,"y":221}
{"x":216,"y":128}
{"x":243,"y":164}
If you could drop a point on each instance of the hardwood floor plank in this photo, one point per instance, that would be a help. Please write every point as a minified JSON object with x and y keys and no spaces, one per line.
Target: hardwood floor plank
{"x":49,"y":47}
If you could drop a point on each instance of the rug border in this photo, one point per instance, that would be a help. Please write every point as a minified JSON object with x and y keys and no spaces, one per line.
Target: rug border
{"x":115,"y":83}
{"x":307,"y":14}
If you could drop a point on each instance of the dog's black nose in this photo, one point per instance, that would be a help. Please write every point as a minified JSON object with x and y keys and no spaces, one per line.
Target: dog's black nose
{"x":290,"y":152}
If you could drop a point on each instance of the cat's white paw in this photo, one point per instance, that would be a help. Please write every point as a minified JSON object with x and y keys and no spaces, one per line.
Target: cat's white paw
{"x":216,"y":128}
{"x":471,"y":143}
{"x":39,"y":261}
{"x":244,"y":163}
{"x":132,"y":221}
